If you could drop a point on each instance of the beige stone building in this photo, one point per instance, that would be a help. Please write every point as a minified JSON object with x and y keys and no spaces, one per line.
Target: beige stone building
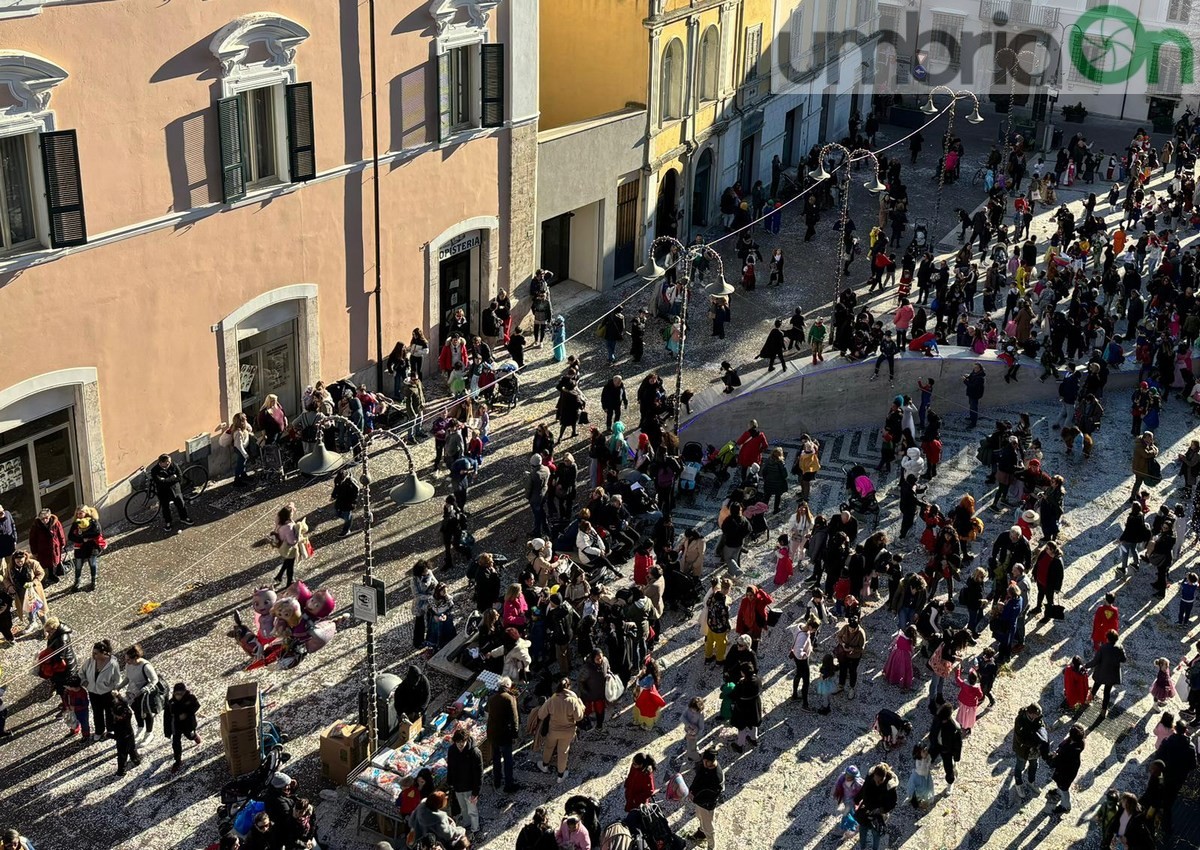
{"x":187,"y":202}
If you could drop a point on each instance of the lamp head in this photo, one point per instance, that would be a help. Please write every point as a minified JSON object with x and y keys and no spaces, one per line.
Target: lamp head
{"x":819,"y":173}
{"x":721,"y":287}
{"x":929,"y":108}
{"x":651,"y":270}
{"x":411,"y":491}
{"x":321,"y":462}
{"x":975,"y":117}
{"x":876,"y":186}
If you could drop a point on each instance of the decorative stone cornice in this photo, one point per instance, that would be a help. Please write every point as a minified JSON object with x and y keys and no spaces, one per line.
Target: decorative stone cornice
{"x":31,"y":80}
{"x":280,"y":35}
{"x":445,"y":13}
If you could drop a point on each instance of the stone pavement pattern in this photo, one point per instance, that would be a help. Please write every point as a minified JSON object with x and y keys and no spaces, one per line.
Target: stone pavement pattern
{"x":63,"y":795}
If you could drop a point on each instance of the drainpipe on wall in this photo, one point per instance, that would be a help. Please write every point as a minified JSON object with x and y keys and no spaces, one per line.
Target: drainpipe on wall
{"x":375,"y":201}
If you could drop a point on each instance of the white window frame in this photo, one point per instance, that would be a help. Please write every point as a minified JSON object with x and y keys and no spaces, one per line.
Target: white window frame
{"x":753,"y":57}
{"x":37,"y":192}
{"x":471,"y":40}
{"x":278,"y":108}
{"x":30,"y":80}
{"x":1179,"y":11}
{"x":231,"y":46}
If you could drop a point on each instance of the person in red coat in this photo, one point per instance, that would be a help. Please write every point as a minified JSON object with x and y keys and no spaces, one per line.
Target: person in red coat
{"x":454,"y":352}
{"x":1108,"y":616}
{"x":639,"y":784}
{"x":752,"y":613}
{"x":47,"y":540}
{"x":751,"y":446}
{"x":1075,"y":684}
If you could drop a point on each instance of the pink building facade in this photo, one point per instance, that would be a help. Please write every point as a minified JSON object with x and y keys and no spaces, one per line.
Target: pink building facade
{"x":187,"y":217}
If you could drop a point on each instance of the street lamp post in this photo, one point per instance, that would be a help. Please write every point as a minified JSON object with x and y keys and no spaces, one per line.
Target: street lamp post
{"x":410,"y":491}
{"x":1012,"y":87}
{"x":974,"y":118}
{"x":819,"y":173}
{"x":687,"y":256}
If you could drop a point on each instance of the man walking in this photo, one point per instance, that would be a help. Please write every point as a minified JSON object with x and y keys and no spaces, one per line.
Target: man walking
{"x":464,"y":774}
{"x":503,"y":724}
{"x":564,"y":711}
{"x":707,"y":788}
{"x":536,"y":488}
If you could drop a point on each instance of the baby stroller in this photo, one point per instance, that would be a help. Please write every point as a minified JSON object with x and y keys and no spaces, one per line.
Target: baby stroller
{"x":683,"y":591}
{"x":920,"y":236}
{"x":508,"y":385}
{"x":693,"y":464}
{"x":651,"y":824}
{"x":860,"y":493}
{"x":718,"y":464}
{"x":756,"y":513}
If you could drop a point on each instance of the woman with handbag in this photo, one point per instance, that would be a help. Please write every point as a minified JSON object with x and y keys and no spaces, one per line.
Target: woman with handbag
{"x":145,"y":692}
{"x":291,"y":541}
{"x":418,"y":350}
{"x":88,"y":539}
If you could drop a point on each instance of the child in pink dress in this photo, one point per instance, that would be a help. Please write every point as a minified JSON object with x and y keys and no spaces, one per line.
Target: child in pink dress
{"x":899,"y":667}
{"x":1163,"y":688}
{"x":970,"y":695}
{"x":783,"y":561}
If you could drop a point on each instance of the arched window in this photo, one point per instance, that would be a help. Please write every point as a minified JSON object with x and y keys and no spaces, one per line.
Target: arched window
{"x":672,"y":81}
{"x":710,"y":46}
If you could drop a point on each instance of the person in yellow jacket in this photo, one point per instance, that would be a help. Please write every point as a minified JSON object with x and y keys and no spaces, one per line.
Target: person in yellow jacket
{"x":562,"y":711}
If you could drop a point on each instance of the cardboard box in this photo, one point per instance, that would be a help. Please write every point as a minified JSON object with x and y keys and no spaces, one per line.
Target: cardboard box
{"x":242,"y":750}
{"x":343,"y":748}
{"x":407,"y":731}
{"x":241,"y":708}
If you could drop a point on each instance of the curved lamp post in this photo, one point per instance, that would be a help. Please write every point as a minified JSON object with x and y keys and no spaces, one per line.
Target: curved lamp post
{"x":410,"y":491}
{"x":688,"y":254}
{"x":1012,"y":87}
{"x":930,"y":108}
{"x":875,"y":187}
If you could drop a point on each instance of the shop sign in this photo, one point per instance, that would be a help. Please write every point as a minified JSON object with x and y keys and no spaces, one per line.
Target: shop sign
{"x":460,"y":245}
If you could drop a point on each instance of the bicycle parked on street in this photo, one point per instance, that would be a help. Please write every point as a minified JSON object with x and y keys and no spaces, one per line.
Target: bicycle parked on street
{"x":142,"y":508}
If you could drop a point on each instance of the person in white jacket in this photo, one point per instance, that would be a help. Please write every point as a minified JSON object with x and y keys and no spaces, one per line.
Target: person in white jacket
{"x":142,"y":692}
{"x":912,"y":463}
{"x":101,"y":676}
{"x":800,"y":652}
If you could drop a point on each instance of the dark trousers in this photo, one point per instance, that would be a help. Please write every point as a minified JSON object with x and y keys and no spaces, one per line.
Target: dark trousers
{"x":165,"y":503}
{"x":502,"y":763}
{"x":1107,"y":695}
{"x":142,"y":713}
{"x":126,"y":752}
{"x":848,"y":669}
{"x":101,"y":713}
{"x":177,"y":736}
{"x":611,"y":416}
{"x":948,"y":766}
{"x":891,"y":361}
{"x":771,"y":361}
{"x":287,"y":568}
{"x":418,"y":631}
{"x":800,"y":679}
{"x":1044,"y":594}
{"x":906,"y":523}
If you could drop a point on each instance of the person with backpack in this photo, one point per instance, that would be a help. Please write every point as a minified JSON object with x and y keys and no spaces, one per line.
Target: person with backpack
{"x":708,"y":786}
{"x":716,"y":617}
{"x":561,"y":621}
{"x":145,"y":692}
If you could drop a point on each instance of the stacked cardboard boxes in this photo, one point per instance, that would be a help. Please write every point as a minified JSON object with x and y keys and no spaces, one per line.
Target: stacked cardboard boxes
{"x":240,"y":728}
{"x":343,"y":748}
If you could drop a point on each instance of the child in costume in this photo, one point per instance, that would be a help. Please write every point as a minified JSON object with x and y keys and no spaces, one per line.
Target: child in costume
{"x":899,"y":667}
{"x":1076,"y":686}
{"x":920,"y":781}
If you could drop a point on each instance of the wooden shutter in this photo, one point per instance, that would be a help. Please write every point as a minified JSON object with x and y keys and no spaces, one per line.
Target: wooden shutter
{"x":414,"y":128}
{"x":233,"y":158}
{"x":444,"y":97}
{"x":302,"y":159}
{"x":492,"y":76}
{"x":64,"y":190}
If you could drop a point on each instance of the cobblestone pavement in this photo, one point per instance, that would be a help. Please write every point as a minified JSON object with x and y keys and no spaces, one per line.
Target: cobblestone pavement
{"x":62,"y":794}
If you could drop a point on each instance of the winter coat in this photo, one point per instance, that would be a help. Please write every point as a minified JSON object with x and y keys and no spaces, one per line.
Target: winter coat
{"x":876,"y":798}
{"x":708,"y":786}
{"x":564,"y":710}
{"x":425,"y":821}
{"x":613,"y":397}
{"x":180,"y":715}
{"x":1106,"y":666}
{"x":854,"y":639}
{"x":775,"y":477}
{"x":974,"y":383}
{"x":142,"y":679}
{"x":1066,"y":760}
{"x":639,"y":788}
{"x":591,"y":684}
{"x":85,"y":540}
{"x":166,"y":481}
{"x":47,"y":541}
{"x":1141,"y":456}
{"x":751,"y":446}
{"x":946,"y":737}
{"x":464,"y":768}
{"x":1136,"y":531}
{"x":747,"y":703}
{"x":102,"y":681}
{"x":503,"y":720}
{"x":345,"y":495}
{"x":1029,"y":736}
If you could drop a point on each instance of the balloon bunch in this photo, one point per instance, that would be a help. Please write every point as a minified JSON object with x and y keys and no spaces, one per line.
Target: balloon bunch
{"x":287,"y":625}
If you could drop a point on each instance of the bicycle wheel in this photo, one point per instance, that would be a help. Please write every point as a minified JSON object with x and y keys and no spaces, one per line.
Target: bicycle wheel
{"x":195,"y":481}
{"x":141,"y":508}
{"x":977,"y":177}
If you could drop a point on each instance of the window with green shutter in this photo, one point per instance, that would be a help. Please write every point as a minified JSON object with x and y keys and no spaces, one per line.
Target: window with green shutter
{"x":492,"y":84}
{"x":233,"y":164}
{"x":64,"y":189}
{"x":302,"y":159}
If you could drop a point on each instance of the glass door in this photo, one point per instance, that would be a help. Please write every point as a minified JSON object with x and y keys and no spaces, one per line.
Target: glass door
{"x":54,"y":461}
{"x":17,"y":492}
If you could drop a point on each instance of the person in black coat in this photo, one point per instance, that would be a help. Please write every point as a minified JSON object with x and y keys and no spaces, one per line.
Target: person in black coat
{"x":179,"y":720}
{"x":537,"y":834}
{"x":613,"y":399}
{"x":875,"y":801}
{"x":464,"y":775}
{"x":1106,"y":671}
{"x":708,"y":786}
{"x":487,"y":583}
{"x":1178,"y":756}
{"x":1066,"y":760}
{"x":747,"y":711}
{"x":945,"y":741}
{"x":345,"y":498}
{"x":166,"y":477}
{"x":774,"y":347}
{"x":974,"y":382}
{"x":1010,"y":548}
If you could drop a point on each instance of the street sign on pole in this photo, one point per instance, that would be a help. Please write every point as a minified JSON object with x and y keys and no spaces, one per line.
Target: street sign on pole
{"x":370,"y":601}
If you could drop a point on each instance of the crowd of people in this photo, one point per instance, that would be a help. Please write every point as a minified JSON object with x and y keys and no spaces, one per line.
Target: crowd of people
{"x":580,"y":630}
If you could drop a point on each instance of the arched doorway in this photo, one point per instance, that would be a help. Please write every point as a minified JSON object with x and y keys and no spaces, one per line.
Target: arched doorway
{"x":666,"y":218}
{"x":701,"y":189}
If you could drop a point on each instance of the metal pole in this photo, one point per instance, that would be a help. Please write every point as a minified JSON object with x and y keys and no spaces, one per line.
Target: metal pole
{"x":683,"y":325}
{"x":368,"y":575}
{"x":375,"y":204}
{"x":937,"y":204}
